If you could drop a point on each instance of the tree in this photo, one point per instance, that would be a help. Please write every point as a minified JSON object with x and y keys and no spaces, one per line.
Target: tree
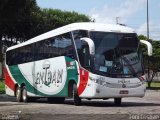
{"x":142,"y":37}
{"x":13,"y":15}
{"x":21,"y":20}
{"x":154,"y":63}
{"x":54,"y":18}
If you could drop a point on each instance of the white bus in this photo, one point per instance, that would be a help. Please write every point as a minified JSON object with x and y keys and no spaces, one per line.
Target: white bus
{"x":79,"y":60}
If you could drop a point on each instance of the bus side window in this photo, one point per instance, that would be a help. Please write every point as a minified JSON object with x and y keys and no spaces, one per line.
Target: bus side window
{"x":20,"y":55}
{"x":14,"y":55}
{"x":39,"y":50}
{"x":51,"y":48}
{"x":46,"y":49}
{"x":29,"y":53}
{"x":9,"y":57}
{"x":65,"y":46}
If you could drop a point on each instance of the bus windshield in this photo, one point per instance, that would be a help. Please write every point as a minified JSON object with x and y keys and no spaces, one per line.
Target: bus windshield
{"x":117,"y":54}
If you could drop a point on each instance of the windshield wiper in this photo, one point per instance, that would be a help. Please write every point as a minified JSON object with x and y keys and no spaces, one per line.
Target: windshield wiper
{"x":131,"y":68}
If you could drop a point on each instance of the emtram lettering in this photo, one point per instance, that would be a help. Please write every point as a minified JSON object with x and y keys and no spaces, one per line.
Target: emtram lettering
{"x":48,"y":77}
{"x":54,"y":77}
{"x":59,"y":78}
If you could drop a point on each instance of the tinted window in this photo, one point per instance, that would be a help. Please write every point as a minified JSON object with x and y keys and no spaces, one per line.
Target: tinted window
{"x":53,"y":47}
{"x":77,"y":34}
{"x":65,"y":45}
{"x":20,"y":55}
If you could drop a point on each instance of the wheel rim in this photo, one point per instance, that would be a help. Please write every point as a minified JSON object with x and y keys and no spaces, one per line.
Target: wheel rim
{"x":18,"y":93}
{"x":24,"y":95}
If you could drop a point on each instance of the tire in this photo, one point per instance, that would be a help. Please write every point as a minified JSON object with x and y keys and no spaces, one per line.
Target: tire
{"x":19,"y":94}
{"x":24,"y":95}
{"x":76,"y":98}
{"x":56,"y":99}
{"x":117,"y":101}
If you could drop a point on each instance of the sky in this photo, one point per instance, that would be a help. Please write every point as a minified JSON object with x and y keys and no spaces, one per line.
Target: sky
{"x":132,"y":13}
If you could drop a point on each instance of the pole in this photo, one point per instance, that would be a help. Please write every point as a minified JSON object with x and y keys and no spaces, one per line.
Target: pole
{"x":147,"y":22}
{"x":117,"y":18}
{"x":148,"y":40}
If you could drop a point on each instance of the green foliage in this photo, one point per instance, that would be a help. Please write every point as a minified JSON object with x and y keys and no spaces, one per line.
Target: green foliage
{"x":15,"y":16}
{"x":142,"y":37}
{"x":23,"y":19}
{"x":154,"y":60}
{"x":2,"y":86}
{"x":54,"y":18}
{"x":154,"y":85}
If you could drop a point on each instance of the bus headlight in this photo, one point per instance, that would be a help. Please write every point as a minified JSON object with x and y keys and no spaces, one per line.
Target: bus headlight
{"x":98,"y":81}
{"x":104,"y":83}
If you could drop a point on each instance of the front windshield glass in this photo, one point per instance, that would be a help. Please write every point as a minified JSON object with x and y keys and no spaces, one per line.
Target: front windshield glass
{"x":117,"y":54}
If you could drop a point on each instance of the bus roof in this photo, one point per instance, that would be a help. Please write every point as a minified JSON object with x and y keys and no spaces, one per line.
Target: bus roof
{"x":90,"y":26}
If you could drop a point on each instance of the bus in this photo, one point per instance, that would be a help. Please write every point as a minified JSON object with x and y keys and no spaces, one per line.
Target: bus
{"x":79,"y":61}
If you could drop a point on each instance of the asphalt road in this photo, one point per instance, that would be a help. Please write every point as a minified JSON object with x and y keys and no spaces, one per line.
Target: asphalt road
{"x":147,"y":107}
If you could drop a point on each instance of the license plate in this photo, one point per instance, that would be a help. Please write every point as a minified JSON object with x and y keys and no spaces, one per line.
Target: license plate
{"x":123,"y":92}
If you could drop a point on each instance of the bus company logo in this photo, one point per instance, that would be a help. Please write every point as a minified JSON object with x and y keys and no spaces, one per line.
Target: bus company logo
{"x":47,"y":77}
{"x":123,"y":85}
{"x":71,"y":65}
{"x":124,"y":82}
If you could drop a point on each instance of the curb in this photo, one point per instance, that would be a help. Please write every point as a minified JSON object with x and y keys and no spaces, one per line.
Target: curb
{"x":149,"y":90}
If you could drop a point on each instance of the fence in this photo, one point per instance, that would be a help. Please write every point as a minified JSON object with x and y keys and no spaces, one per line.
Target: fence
{"x":157,"y":77}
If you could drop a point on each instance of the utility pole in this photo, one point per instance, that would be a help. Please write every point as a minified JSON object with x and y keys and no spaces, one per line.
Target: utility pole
{"x":147,"y":22}
{"x":117,"y":20}
{"x":148,"y":40}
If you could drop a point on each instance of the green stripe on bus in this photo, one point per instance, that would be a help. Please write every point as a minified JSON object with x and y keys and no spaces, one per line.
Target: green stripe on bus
{"x":18,"y":76}
{"x":72,"y":71}
{"x":72,"y":74}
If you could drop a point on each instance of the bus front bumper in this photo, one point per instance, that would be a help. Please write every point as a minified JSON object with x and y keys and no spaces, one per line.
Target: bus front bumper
{"x":98,"y":91}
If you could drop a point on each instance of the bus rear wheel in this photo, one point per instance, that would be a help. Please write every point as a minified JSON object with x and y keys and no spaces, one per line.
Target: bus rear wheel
{"x":24,"y":95}
{"x":19,"y":94}
{"x":76,"y":98}
{"x":117,"y":101}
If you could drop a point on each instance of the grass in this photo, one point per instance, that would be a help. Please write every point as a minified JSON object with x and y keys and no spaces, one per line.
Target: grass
{"x":154,"y":84}
{"x":2,"y":87}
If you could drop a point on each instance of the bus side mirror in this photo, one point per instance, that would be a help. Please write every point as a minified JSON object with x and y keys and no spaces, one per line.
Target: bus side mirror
{"x":85,"y":56}
{"x":149,"y":47}
{"x":91,"y":51}
{"x":90,"y":44}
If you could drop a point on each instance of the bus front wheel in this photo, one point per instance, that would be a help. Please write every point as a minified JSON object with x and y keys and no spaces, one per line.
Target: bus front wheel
{"x":19,"y":94}
{"x":117,"y":101}
{"x":76,"y":98}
